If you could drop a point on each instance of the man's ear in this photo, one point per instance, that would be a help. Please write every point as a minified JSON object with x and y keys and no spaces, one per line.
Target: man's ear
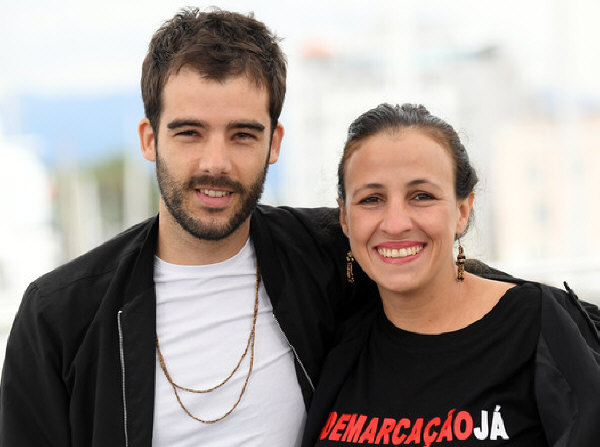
{"x":343,"y":220}
{"x":276,"y":143}
{"x":147,"y":141}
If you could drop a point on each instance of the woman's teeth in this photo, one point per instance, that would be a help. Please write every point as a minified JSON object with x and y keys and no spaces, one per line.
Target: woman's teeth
{"x":399,"y":252}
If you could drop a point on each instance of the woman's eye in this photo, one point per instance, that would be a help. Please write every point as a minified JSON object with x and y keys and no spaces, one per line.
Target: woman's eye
{"x":369,"y":200}
{"x":421,"y":196}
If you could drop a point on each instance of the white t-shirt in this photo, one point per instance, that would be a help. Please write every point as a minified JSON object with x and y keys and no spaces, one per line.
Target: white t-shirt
{"x":204,"y":317}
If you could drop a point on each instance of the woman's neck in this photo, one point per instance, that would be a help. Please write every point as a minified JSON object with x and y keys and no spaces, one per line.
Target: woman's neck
{"x":443,"y":307}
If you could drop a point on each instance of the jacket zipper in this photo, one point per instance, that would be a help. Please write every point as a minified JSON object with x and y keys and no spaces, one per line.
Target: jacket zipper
{"x":295,"y":353}
{"x":122,"y":358}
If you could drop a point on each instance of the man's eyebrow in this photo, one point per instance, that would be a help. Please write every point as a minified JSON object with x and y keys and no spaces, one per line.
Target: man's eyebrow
{"x":253,"y":125}
{"x":178,"y":123}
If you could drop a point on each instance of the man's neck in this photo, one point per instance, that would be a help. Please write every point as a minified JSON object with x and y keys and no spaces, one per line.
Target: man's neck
{"x":177,"y":246}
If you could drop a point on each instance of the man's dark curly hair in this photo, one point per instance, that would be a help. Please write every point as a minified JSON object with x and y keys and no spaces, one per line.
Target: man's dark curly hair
{"x":218,"y":45}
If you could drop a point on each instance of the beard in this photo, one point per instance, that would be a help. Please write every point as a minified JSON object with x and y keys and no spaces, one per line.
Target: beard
{"x":173,"y":194}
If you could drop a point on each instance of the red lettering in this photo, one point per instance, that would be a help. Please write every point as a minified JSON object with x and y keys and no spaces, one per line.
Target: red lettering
{"x":402,"y":423}
{"x":428,"y":436}
{"x":370,"y":432}
{"x":340,"y":425}
{"x":385,"y":430}
{"x":415,"y":434}
{"x":354,"y":428}
{"x":446,"y":431}
{"x":349,"y":428}
{"x":328,"y":425}
{"x":460,"y":432}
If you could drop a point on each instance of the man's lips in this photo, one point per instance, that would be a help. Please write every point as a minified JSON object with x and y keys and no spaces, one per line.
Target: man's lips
{"x":213,"y":198}
{"x":213,"y":192}
{"x":207,"y":183}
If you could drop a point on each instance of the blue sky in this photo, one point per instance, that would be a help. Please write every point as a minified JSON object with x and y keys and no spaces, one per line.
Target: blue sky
{"x":86,"y":127}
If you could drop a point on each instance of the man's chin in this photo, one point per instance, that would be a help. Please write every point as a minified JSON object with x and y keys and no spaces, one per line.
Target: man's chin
{"x":211,"y":229}
{"x":216,"y":211}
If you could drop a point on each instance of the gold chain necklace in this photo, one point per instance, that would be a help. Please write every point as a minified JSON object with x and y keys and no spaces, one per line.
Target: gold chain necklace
{"x":249,"y":345}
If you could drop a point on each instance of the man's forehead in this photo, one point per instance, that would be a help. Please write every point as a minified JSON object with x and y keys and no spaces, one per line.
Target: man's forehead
{"x":190,"y":73}
{"x":190,"y":95}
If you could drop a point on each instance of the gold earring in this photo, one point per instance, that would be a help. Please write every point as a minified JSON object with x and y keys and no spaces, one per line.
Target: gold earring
{"x":460,"y":262}
{"x":349,"y":261}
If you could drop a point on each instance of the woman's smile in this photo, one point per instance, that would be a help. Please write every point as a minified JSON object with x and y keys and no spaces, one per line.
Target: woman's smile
{"x":399,"y":252}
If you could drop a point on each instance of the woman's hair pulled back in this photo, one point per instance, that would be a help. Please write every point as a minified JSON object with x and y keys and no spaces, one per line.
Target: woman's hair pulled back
{"x":395,"y":118}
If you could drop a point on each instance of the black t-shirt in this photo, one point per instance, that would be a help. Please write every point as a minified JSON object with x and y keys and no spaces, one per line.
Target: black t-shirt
{"x":471,"y":387}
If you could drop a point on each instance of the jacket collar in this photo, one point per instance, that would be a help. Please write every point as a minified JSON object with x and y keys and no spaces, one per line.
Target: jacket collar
{"x":265,"y":250}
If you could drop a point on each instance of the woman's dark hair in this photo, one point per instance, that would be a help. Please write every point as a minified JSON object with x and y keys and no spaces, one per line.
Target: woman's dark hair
{"x":389,"y":118}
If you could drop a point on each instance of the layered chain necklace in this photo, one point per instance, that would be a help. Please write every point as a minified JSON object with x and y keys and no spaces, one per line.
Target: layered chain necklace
{"x":249,"y":346}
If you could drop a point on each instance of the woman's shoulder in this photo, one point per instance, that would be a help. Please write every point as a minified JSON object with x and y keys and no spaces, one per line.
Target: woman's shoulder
{"x":563,"y":307}
{"x":554,"y":302}
{"x":484,"y":295}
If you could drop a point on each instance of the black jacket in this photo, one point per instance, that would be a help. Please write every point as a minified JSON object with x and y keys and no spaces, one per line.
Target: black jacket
{"x":566,"y":377}
{"x":80,"y":360}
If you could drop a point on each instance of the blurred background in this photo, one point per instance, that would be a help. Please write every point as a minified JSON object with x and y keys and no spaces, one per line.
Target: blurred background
{"x":519,"y":80}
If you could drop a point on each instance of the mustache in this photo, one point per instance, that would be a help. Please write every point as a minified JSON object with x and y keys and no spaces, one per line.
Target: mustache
{"x":208,"y":181}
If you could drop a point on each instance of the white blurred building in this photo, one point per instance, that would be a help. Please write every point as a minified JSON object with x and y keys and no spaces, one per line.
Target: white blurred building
{"x":28,"y":244}
{"x":546,"y":200}
{"x":536,"y":213}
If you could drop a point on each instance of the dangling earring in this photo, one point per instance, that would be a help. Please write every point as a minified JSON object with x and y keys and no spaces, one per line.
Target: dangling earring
{"x":349,"y":261}
{"x":460,"y":262}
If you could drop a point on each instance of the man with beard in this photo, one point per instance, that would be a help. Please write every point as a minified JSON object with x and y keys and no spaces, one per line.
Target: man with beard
{"x":207,"y":324}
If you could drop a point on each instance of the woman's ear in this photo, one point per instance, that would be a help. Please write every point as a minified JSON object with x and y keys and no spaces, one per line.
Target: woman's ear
{"x":464,"y":211}
{"x":343,"y":221}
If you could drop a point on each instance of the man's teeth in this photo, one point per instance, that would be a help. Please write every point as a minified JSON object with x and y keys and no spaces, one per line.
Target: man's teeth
{"x":399,"y":252}
{"x":213,"y":193}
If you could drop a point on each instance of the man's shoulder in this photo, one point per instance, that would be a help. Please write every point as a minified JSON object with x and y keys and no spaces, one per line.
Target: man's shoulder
{"x":91,"y":287}
{"x":319,"y":221}
{"x":98,"y":262}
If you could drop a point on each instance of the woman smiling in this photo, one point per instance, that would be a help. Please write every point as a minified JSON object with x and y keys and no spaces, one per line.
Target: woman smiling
{"x":450,"y":356}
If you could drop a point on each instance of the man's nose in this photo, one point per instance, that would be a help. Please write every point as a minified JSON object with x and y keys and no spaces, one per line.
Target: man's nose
{"x":215,"y":158}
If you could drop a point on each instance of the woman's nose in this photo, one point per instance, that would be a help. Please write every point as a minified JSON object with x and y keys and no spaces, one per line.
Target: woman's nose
{"x":396,"y":220}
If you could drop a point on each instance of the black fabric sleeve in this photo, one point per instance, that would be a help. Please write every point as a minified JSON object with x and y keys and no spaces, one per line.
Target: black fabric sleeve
{"x":586,"y":315}
{"x":567,"y":373}
{"x":587,"y":311}
{"x":34,"y":402}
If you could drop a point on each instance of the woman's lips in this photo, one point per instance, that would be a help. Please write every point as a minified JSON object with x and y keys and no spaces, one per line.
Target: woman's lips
{"x":399,"y":252}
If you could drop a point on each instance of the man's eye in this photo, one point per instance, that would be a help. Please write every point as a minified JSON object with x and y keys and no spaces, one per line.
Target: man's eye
{"x":245,"y":136}
{"x":187,"y":133}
